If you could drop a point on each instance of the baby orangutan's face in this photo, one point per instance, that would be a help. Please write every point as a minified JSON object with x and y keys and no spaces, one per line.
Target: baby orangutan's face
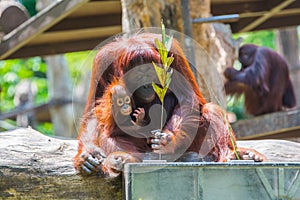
{"x":121,"y":101}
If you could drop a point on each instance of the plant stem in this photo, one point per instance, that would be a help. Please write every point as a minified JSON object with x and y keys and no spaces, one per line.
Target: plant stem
{"x":161,"y":122}
{"x":162,"y":115}
{"x":231,"y":139}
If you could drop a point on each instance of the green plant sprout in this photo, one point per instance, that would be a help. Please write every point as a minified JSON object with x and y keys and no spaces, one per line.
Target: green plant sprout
{"x":231,"y":138}
{"x":163,"y":73}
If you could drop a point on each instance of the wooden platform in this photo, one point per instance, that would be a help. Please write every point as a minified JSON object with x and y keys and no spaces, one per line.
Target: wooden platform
{"x":279,"y":125}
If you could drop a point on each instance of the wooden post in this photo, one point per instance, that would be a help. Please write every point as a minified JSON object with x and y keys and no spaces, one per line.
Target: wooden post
{"x":24,"y":98}
{"x":188,"y":30}
{"x":60,"y":87}
{"x":287,"y":43}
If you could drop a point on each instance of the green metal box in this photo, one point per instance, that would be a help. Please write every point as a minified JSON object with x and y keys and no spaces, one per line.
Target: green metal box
{"x":212,"y":181}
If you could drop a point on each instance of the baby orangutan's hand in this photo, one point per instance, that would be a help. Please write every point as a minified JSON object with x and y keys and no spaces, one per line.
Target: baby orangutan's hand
{"x":139,"y":115}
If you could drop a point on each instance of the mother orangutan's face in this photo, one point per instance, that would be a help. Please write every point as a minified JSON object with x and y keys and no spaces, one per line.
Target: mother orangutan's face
{"x":139,"y":80}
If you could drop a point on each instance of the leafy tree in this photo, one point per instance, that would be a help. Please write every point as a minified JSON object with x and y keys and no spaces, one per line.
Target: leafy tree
{"x":12,"y":71}
{"x":261,"y":38}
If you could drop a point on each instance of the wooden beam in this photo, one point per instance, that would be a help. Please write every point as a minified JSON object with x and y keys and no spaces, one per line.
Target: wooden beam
{"x":279,"y":22}
{"x":87,"y":22}
{"x":285,"y":12}
{"x":95,"y":8}
{"x":238,"y":7}
{"x":76,"y":35}
{"x":56,"y":48}
{"x":286,"y":133}
{"x":266,"y":16}
{"x":36,"y":25}
{"x":213,"y":2}
{"x":286,"y":124}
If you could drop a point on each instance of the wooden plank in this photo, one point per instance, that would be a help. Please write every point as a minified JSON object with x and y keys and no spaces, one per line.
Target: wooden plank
{"x":95,"y":8}
{"x":279,"y":22}
{"x":284,"y":124}
{"x":75,"y":35}
{"x":36,"y":25}
{"x":295,"y":4}
{"x":274,"y":22}
{"x":266,"y":16}
{"x":285,"y":12}
{"x":238,"y":7}
{"x":213,"y":2}
{"x":56,"y":48}
{"x":87,"y":22}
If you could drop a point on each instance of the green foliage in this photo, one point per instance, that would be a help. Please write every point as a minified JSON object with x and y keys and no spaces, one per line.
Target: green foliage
{"x":30,"y":6}
{"x":13,"y":71}
{"x":236,"y":105}
{"x":76,"y":62}
{"x":261,"y":38}
{"x":163,"y":73}
{"x":45,"y":128}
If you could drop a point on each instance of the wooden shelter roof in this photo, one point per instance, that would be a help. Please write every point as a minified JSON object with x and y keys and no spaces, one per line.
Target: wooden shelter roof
{"x":76,"y":25}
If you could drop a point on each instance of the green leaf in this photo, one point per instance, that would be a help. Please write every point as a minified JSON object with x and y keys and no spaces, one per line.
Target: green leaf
{"x":168,"y":84}
{"x":163,"y":32}
{"x":169,"y":61}
{"x":162,"y":51}
{"x":159,"y":91}
{"x":165,"y":89}
{"x":168,"y":78}
{"x":168,"y":42}
{"x":160,"y":72}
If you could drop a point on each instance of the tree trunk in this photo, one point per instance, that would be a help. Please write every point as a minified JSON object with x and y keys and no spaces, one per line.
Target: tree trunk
{"x":34,"y":166}
{"x":287,"y":43}
{"x":216,"y":49}
{"x":60,"y":87}
{"x":220,"y":49}
{"x":143,"y":14}
{"x":24,"y":98}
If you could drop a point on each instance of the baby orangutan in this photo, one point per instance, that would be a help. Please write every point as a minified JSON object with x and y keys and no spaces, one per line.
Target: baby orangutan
{"x":113,"y":113}
{"x":122,"y":106}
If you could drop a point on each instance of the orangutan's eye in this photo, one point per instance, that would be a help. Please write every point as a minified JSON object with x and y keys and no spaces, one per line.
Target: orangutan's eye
{"x":127,"y":100}
{"x":120,"y":102}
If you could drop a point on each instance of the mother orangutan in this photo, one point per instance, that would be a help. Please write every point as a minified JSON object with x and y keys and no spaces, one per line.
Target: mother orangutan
{"x":193,"y":130}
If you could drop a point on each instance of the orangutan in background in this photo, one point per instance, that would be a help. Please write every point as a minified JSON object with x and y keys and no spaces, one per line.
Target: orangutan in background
{"x":263,"y":78}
